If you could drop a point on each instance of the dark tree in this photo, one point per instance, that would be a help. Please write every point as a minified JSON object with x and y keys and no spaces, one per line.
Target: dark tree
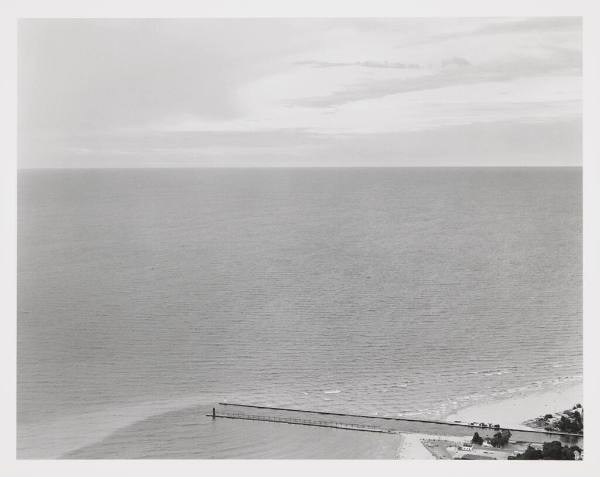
{"x":530,"y":454}
{"x":578,"y":418}
{"x":501,"y":438}
{"x":553,"y":450}
{"x":550,"y":451}
{"x":477,"y":439}
{"x":573,"y":423}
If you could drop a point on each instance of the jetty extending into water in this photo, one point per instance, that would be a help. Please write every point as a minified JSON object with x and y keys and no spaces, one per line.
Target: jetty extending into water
{"x":303,"y":422}
{"x":382,"y":424}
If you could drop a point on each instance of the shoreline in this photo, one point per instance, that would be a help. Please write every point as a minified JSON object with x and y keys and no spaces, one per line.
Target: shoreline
{"x":514,"y":411}
{"x":511,"y":412}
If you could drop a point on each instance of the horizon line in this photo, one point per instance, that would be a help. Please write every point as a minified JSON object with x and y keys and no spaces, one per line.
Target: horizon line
{"x":580,"y":166}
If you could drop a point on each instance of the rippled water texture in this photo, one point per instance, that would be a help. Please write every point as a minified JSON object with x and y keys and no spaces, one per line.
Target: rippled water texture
{"x":391,"y":291}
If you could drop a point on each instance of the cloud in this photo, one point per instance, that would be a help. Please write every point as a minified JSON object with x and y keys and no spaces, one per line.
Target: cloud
{"x":456,"y":61}
{"x":364,"y":64}
{"x":93,"y":91}
{"x":505,"y":26}
{"x":555,"y":142}
{"x":559,"y":61}
{"x":105,"y":74}
{"x":540,"y":24}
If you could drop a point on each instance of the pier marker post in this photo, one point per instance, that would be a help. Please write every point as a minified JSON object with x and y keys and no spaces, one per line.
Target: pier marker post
{"x":214,"y":413}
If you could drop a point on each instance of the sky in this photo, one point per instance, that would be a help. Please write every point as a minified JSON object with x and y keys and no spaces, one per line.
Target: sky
{"x":300,"y":92}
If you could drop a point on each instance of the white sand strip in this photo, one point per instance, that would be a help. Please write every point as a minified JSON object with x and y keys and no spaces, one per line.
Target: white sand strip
{"x":514,"y":411}
{"x":412,"y":448}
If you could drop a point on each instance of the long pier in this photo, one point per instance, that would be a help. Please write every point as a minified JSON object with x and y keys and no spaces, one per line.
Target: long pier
{"x":303,"y":422}
{"x":386,"y":424}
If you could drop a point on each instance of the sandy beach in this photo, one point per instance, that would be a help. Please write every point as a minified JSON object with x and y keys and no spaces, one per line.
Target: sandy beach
{"x":514,"y":411}
{"x":507,"y":412}
{"x":413,"y":448}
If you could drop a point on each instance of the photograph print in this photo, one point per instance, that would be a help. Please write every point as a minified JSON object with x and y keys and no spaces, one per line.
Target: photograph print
{"x":286,"y":238}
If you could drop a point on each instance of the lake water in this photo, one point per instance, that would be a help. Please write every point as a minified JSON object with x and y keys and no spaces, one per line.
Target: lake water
{"x":148,"y":294}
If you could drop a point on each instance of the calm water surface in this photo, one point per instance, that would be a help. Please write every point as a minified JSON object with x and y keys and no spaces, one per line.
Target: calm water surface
{"x":147,"y":293}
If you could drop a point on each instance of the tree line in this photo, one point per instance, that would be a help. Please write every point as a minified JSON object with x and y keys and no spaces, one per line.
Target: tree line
{"x":550,"y":451}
